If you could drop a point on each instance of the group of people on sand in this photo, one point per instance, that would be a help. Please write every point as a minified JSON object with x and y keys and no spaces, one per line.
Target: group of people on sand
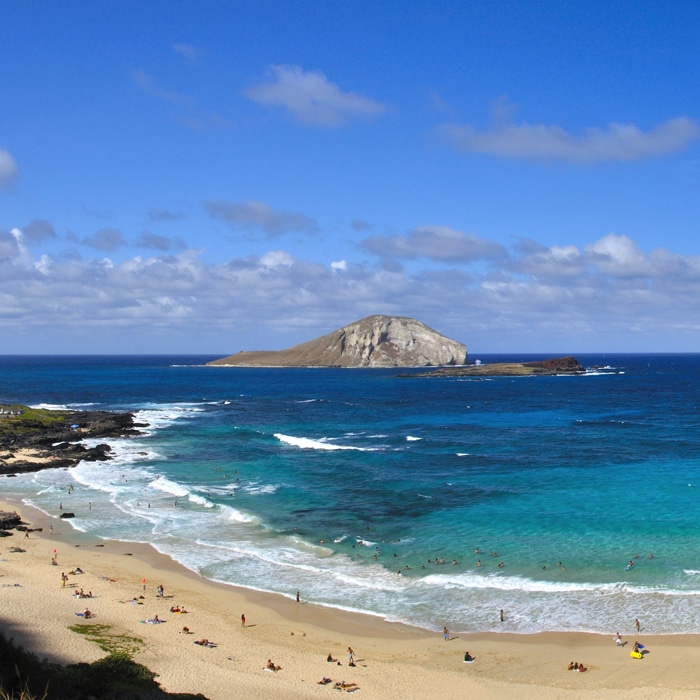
{"x":576,"y":666}
{"x":351,"y":658}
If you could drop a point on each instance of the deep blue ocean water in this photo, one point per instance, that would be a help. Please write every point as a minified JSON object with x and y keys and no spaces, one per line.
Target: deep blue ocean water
{"x":331,"y":482}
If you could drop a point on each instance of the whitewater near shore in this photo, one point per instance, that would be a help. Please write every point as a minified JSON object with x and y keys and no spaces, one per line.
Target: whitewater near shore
{"x":392,"y":661}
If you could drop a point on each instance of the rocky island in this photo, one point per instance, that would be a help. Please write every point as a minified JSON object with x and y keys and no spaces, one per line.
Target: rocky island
{"x":33,"y":438}
{"x":375,"y":341}
{"x":556,"y":365}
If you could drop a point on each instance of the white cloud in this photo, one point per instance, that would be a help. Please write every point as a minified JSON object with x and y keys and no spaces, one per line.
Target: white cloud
{"x":106,"y":239}
{"x":275,"y":259}
{"x":8,"y":170}
{"x":156,"y":242}
{"x":38,"y":231}
{"x":616,"y":143}
{"x":253,"y":214}
{"x":435,"y":243}
{"x":609,"y":293}
{"x":311,"y":98}
{"x":619,"y":256}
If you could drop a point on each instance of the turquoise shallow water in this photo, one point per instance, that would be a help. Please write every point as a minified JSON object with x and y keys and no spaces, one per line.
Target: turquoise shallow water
{"x":332,"y":481}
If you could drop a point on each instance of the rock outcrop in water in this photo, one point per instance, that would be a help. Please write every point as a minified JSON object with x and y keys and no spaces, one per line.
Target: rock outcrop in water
{"x":375,"y":341}
{"x":555,"y":365}
{"x":32,"y":439}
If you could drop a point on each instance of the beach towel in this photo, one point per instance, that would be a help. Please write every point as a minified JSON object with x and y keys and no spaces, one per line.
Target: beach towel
{"x":152,"y":621}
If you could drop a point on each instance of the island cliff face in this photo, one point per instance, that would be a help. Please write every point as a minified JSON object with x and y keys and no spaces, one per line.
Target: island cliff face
{"x":375,"y":341}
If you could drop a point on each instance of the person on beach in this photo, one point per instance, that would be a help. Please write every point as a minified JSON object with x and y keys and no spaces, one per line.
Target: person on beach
{"x":298,"y":596}
{"x":446,"y":634}
{"x":351,"y":657}
{"x":87,"y":614}
{"x":242,"y":620}
{"x":618,"y":640}
{"x":637,"y":625}
{"x":503,"y":617}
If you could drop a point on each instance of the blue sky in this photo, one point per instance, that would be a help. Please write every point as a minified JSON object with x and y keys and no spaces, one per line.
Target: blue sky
{"x":218,"y":176}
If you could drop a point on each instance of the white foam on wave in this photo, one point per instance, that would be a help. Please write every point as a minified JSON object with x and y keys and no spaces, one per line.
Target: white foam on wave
{"x":322,"y":444}
{"x":237,"y":515}
{"x":411,"y":438}
{"x":161,"y":483}
{"x":527,"y":585}
{"x":260,"y":489}
{"x":200,"y":500}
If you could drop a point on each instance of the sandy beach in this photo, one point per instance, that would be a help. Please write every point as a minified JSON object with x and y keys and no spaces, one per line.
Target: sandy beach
{"x":392,"y":661}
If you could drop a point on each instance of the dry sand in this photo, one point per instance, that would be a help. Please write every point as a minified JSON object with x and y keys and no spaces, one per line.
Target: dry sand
{"x":393,"y":661}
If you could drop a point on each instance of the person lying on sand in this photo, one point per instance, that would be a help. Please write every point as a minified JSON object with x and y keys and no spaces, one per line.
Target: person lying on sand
{"x":272,"y":667}
{"x":324,"y":681}
{"x":330,"y":659}
{"x":185,"y":630}
{"x":205,"y":643}
{"x":155,"y":620}
{"x":344,"y":685}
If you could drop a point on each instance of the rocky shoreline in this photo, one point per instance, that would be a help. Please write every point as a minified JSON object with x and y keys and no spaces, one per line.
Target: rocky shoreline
{"x":34,"y":439}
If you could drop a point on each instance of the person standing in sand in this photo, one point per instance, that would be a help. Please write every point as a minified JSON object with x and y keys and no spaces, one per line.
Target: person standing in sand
{"x":446,"y":634}
{"x":242,"y":620}
{"x":351,"y":657}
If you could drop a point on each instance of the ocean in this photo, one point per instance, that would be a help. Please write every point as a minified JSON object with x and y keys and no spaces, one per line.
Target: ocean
{"x":426,"y":501}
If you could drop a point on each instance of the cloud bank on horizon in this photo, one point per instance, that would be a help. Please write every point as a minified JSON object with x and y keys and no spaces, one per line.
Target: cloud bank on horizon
{"x":218,"y":188}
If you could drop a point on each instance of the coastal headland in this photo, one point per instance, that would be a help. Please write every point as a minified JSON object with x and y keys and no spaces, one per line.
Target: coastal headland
{"x":37,"y":438}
